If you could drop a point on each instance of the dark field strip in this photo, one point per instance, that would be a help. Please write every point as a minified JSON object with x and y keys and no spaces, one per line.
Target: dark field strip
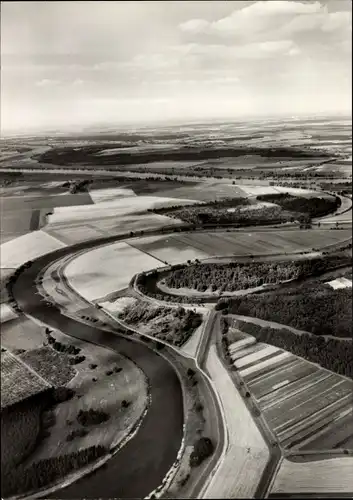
{"x":34,"y":222}
{"x":256,"y":376}
{"x":311,"y":426}
{"x":293,"y":374}
{"x":336,"y":434}
{"x":290,"y":390}
{"x":309,"y":406}
{"x":291,"y":404}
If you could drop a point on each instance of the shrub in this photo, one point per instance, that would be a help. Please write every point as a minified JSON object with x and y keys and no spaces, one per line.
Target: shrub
{"x":117,"y":369}
{"x":109,"y":372}
{"x":124,"y":403}
{"x":76,"y":433}
{"x":203,"y":448}
{"x":92,"y":366}
{"x":76,"y":360}
{"x":91,"y":417}
{"x":61,"y":394}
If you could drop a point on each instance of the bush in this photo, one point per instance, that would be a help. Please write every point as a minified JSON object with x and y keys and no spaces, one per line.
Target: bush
{"x":61,"y":394}
{"x":109,"y":372}
{"x":77,"y":360}
{"x":91,"y":417}
{"x":76,"y":433}
{"x":117,"y":369}
{"x":124,"y":403}
{"x":203,"y":448}
{"x":92,"y":366}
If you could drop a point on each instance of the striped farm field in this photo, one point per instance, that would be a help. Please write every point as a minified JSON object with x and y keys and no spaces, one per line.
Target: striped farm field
{"x":247,"y":454}
{"x":175,"y":248}
{"x":332,"y":475}
{"x":306,"y":406}
{"x":18,"y":381}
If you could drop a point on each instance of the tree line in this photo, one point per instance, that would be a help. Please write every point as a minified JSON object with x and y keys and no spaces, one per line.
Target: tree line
{"x":332,"y":354}
{"x":314,"y":207}
{"x":318,"y":309}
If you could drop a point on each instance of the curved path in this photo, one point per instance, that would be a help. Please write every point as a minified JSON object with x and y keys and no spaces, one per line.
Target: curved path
{"x":141,"y":465}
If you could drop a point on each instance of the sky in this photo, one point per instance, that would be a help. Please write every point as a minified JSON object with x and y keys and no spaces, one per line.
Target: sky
{"x":81,"y":63}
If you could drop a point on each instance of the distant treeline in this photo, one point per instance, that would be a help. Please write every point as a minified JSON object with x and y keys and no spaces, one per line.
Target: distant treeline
{"x":314,"y":207}
{"x":88,"y":154}
{"x":332,"y":354}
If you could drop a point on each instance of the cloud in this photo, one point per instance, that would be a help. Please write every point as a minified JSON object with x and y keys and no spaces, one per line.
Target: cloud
{"x":77,"y":82}
{"x":194,"y":26}
{"x":46,"y":82}
{"x":276,"y":19}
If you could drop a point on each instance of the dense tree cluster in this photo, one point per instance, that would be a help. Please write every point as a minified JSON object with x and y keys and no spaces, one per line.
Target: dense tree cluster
{"x":333,"y":354}
{"x":239,"y":276}
{"x":314,"y":207}
{"x":203,"y":448}
{"x":39,"y":474}
{"x":318,"y":309}
{"x":225,"y":212}
{"x":173,"y":325}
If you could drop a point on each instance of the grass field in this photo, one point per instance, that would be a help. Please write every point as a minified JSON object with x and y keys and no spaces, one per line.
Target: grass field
{"x":73,"y":232}
{"x":27,"y":247}
{"x":107,"y":269}
{"x":332,"y":475}
{"x":247,"y":453}
{"x":105,"y":393}
{"x":18,"y":381}
{"x":6,"y":313}
{"x":305,"y":405}
{"x":175,"y":248}
{"x":21,"y":333}
{"x":109,"y":194}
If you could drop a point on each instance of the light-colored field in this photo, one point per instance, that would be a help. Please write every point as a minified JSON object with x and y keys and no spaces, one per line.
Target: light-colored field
{"x":240,"y":471}
{"x":332,"y":475}
{"x":251,"y":190}
{"x":73,"y":232}
{"x":106,"y":394}
{"x":18,"y":381}
{"x":107,"y":269}
{"x":6,"y":313}
{"x":340,"y":283}
{"x":202,"y":245}
{"x":256,"y":356}
{"x":122,"y":206}
{"x":109,"y":194}
{"x":21,"y":333}
{"x":118,"y":306}
{"x":27,"y":247}
{"x":264,"y":364}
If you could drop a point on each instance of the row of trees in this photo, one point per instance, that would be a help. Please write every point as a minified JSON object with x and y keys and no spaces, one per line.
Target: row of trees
{"x":39,"y":474}
{"x":332,"y":354}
